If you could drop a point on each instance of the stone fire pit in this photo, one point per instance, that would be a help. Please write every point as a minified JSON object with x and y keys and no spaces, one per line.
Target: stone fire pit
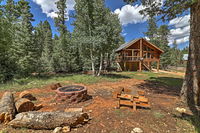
{"x":71,"y":94}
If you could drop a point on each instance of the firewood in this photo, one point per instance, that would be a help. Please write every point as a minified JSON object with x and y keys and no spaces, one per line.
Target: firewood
{"x":27,"y":95}
{"x":7,"y":108}
{"x":48,"y":120}
{"x":24,"y":105}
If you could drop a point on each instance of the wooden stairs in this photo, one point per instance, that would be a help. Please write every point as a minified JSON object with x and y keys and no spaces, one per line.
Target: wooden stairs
{"x":146,"y":66}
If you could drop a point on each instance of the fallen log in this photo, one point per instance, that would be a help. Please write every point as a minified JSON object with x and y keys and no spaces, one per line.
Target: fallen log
{"x":7,"y":107}
{"x":27,"y":95}
{"x":24,"y":105}
{"x":48,"y":120}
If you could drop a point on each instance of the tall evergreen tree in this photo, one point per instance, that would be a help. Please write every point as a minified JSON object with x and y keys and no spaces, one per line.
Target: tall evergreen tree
{"x":8,"y":17}
{"x":159,"y":37}
{"x":24,"y":47}
{"x":62,"y":56}
{"x":43,"y":39}
{"x":163,"y":34}
{"x":151,"y":28}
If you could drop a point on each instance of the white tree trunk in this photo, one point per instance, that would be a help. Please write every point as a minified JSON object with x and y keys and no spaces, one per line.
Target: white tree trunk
{"x":100,"y":65}
{"x":92,"y":62}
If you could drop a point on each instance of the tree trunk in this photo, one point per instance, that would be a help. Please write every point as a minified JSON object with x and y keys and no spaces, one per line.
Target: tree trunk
{"x":7,"y":108}
{"x":100,"y":65}
{"x":24,"y":105}
{"x":48,"y":120}
{"x":190,"y":92}
{"x":92,"y":61}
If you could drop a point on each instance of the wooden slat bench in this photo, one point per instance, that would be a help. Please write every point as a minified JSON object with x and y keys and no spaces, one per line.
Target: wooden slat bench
{"x":134,"y":101}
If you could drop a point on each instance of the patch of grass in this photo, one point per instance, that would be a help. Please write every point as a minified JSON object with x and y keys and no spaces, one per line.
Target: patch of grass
{"x":158,"y":115}
{"x":38,"y":82}
{"x":122,"y":113}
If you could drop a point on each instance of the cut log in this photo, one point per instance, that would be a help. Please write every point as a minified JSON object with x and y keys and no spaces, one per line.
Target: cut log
{"x":24,"y":105}
{"x":7,"y":107}
{"x":27,"y":95}
{"x":48,"y":120}
{"x":55,"y":86}
{"x":77,"y":110}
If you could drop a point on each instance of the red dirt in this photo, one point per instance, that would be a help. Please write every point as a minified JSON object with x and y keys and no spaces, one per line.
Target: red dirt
{"x":106,"y":118}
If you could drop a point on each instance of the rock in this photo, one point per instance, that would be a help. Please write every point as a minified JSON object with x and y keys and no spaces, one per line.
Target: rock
{"x":181,"y":110}
{"x":90,"y":111}
{"x":74,"y":110}
{"x":137,"y":130}
{"x":57,"y":130}
{"x":66,"y":129}
{"x":27,"y":95}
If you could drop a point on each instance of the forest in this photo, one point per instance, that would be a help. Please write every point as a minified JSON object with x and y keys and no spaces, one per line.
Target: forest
{"x":26,"y":50}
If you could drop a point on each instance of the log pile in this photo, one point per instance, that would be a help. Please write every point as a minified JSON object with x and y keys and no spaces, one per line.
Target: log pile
{"x":28,"y":118}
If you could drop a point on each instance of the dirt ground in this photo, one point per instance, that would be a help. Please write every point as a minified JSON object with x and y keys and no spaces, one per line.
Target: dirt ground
{"x":106,"y":118}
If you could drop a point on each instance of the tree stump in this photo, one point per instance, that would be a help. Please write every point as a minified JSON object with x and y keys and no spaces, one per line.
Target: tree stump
{"x":24,"y":105}
{"x":48,"y":120}
{"x":7,"y":107}
{"x":27,"y":95}
{"x":55,"y":86}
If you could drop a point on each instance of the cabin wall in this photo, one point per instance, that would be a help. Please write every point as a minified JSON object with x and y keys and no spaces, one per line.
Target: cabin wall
{"x":130,"y":58}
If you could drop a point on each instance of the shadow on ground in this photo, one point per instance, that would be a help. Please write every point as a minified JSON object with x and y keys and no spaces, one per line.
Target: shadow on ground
{"x":194,"y":120}
{"x":115,"y":76}
{"x":163,"y":85}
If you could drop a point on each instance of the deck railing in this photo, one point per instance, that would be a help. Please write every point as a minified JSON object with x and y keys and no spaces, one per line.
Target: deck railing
{"x":133,"y":58}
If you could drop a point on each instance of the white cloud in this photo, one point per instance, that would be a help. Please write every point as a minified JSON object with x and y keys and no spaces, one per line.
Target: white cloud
{"x":129,"y":14}
{"x":180,"y":21}
{"x":181,"y":30}
{"x":49,"y":7}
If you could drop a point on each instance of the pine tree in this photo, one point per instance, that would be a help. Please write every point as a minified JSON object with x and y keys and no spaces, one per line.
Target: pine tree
{"x":159,"y":37}
{"x":25,"y":51}
{"x":62,"y":55}
{"x":163,"y":34}
{"x":152,"y":28}
{"x":8,"y":16}
{"x":43,"y":39}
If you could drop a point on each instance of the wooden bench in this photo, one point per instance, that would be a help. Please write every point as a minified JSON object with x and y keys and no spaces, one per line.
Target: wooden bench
{"x":133,"y":101}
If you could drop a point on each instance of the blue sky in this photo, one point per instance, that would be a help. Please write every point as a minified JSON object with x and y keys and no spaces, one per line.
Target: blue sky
{"x":133,"y":24}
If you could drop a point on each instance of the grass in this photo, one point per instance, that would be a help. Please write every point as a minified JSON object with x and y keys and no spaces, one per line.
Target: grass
{"x":122,"y":113}
{"x":158,"y":115}
{"x":38,"y":82}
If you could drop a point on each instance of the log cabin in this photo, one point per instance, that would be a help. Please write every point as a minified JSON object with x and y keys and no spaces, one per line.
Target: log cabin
{"x":138,"y":55}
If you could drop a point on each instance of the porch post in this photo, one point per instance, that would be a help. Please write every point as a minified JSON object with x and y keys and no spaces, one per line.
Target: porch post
{"x":158,"y":65}
{"x":140,"y":63}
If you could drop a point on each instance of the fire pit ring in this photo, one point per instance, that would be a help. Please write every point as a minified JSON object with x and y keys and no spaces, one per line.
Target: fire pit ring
{"x":71,"y":94}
